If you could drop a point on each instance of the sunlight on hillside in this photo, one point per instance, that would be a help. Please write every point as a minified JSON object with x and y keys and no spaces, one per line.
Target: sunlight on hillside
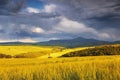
{"x":21,"y":49}
{"x":58,"y":54}
{"x":29,"y":51}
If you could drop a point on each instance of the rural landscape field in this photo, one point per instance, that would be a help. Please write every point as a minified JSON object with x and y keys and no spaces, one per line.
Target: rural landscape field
{"x":51,"y":65}
{"x":84,"y":68}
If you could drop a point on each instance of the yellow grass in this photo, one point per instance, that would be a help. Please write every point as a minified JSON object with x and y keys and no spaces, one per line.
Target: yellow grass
{"x":14,"y":50}
{"x":45,"y":51}
{"x":58,"y":54}
{"x":44,"y":68}
{"x":82,"y":68}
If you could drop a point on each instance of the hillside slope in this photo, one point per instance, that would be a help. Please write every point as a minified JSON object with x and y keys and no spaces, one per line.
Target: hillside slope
{"x":77,"y":42}
{"x":27,"y":51}
{"x":58,"y":54}
{"x":97,"y":51}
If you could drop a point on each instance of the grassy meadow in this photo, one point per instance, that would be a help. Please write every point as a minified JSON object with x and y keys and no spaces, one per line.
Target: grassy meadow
{"x":28,"y":50}
{"x":40,"y":67}
{"x":32,"y":51}
{"x":84,"y":68}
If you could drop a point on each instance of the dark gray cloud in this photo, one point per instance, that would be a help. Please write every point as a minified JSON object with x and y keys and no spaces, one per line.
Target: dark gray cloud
{"x":89,"y":9}
{"x":22,"y":26}
{"x":101,"y":15}
{"x":8,"y":7}
{"x":4,"y":2}
{"x":98,"y":19}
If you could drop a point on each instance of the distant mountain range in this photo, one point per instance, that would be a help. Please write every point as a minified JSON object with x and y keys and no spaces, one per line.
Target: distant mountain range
{"x":77,"y":42}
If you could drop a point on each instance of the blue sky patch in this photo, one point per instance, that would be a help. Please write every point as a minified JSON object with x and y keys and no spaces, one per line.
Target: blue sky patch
{"x":35,"y":4}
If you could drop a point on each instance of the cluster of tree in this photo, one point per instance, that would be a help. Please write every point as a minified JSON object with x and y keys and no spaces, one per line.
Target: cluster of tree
{"x":5,"y":56}
{"x":28,"y":55}
{"x":23,"y":55}
{"x":97,"y":51}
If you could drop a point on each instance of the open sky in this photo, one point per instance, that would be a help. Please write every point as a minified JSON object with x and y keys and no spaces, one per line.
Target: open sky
{"x":42,"y":20}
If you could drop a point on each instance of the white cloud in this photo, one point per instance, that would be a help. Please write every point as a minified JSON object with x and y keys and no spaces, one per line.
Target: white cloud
{"x":77,"y":28}
{"x":2,"y":41}
{"x":50,"y":8}
{"x":70,"y":26}
{"x":103,"y":35}
{"x":37,"y":30}
{"x":32,"y":10}
{"x":28,"y":40}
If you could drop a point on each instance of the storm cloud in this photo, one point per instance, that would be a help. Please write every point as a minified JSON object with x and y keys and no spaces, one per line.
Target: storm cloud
{"x":60,"y":19}
{"x":11,"y":6}
{"x":103,"y":15}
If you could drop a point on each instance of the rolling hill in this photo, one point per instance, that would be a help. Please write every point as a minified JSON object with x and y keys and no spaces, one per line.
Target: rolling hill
{"x":77,"y":42}
{"x":26,"y":51}
{"x":70,"y":43}
{"x":96,"y":51}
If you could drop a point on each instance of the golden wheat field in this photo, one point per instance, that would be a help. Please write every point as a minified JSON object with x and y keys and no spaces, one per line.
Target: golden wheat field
{"x":22,"y":49}
{"x":36,"y":51}
{"x":78,"y":68}
{"x":55,"y":68}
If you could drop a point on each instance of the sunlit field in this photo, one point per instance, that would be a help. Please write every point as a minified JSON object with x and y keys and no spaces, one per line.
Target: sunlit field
{"x":31,"y":51}
{"x":64,"y":51}
{"x":49,"y":65}
{"x":78,"y":68}
{"x":28,"y":50}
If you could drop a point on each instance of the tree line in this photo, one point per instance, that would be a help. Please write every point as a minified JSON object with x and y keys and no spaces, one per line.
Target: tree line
{"x":97,"y":51}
